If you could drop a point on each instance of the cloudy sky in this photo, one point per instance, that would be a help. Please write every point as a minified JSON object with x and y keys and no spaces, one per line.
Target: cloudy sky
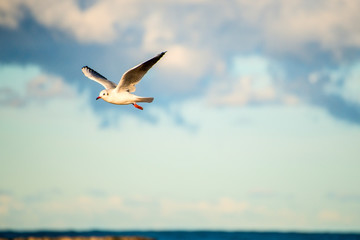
{"x":255,"y":123}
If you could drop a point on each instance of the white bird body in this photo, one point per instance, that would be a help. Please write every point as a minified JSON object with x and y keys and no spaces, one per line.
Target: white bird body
{"x":121,"y":94}
{"x":123,"y":97}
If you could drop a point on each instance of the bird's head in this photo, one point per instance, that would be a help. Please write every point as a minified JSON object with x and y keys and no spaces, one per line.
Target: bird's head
{"x":103,"y":94}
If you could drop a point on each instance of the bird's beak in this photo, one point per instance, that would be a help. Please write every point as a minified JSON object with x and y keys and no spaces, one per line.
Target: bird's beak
{"x":98,"y":98}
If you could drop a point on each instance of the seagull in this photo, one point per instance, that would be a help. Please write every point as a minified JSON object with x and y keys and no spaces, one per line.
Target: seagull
{"x":121,"y":94}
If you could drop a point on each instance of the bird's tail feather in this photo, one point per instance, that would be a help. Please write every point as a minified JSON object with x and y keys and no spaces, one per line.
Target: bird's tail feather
{"x":145,"y":99}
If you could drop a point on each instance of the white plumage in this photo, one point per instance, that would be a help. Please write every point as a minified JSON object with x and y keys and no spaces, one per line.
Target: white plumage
{"x":122,"y":93}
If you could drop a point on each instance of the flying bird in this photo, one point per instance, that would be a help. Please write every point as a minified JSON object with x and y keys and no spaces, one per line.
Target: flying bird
{"x":122,"y":93}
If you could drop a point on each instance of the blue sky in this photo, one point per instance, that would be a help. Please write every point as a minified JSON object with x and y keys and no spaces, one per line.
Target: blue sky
{"x":255,"y":123}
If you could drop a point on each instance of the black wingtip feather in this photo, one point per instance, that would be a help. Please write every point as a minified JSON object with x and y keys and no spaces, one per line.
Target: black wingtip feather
{"x":89,"y":69}
{"x":161,"y":54}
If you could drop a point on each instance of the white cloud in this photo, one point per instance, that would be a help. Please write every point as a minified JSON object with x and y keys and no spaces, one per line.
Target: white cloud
{"x":249,"y":81}
{"x":84,"y":204}
{"x":97,"y":23}
{"x":290,"y":99}
{"x":5,"y":200}
{"x":333,"y":216}
{"x":351,"y":87}
{"x":328,"y":215}
{"x":186,"y":61}
{"x":29,"y":84}
{"x":291,"y":25}
{"x":342,"y":81}
{"x":222,"y":206}
{"x":158,"y":33}
{"x":77,"y":211}
{"x":182,"y":68}
{"x":242,"y":92}
{"x":10,"y":13}
{"x":93,"y":24}
{"x":282,"y":26}
{"x":9,"y":97}
{"x":48,"y":86}
{"x":314,"y":77}
{"x":8,"y":203}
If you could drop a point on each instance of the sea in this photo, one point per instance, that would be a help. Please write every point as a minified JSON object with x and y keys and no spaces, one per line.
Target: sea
{"x":189,"y":235}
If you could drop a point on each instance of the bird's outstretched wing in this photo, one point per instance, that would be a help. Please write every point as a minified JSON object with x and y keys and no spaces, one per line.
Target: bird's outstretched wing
{"x":133,"y":76}
{"x":95,"y":76}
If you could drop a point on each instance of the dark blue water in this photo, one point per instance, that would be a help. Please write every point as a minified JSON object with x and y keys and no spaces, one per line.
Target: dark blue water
{"x":190,"y":235}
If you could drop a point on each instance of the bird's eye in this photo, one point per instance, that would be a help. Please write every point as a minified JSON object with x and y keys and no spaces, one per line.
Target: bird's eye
{"x":107,"y":93}
{"x":103,"y":94}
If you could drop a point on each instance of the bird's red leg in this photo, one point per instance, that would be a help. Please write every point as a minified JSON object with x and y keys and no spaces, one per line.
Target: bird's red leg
{"x":137,"y":106}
